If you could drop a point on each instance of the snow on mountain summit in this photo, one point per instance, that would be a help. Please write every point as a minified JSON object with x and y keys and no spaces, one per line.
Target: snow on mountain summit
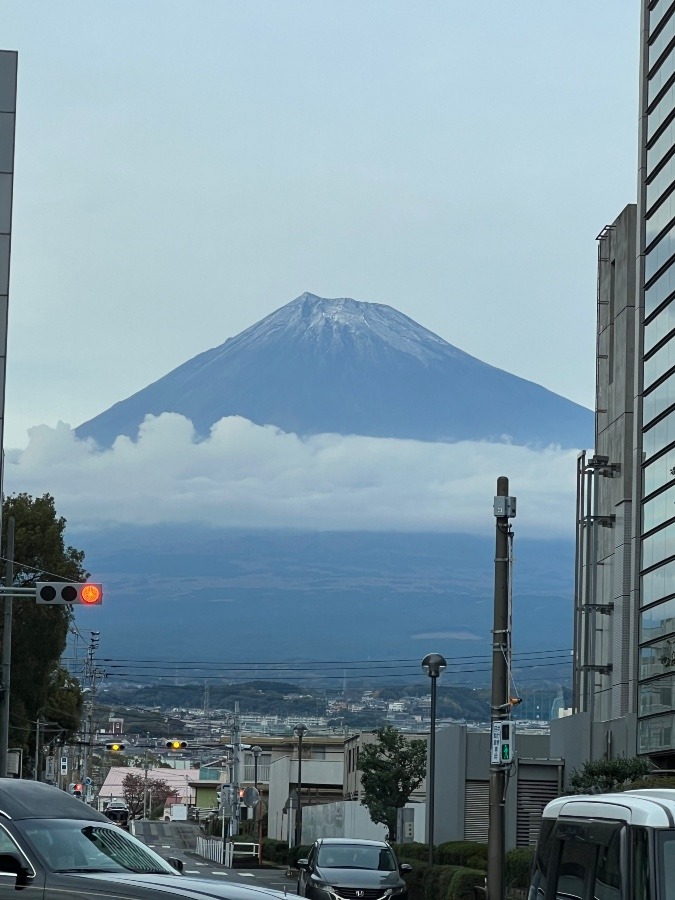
{"x":334,"y":324}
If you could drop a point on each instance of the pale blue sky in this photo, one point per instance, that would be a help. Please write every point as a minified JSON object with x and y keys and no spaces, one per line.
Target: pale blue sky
{"x":184,"y":168}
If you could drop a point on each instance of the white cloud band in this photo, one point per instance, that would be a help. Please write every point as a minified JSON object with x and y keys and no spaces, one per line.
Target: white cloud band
{"x":248,"y":476}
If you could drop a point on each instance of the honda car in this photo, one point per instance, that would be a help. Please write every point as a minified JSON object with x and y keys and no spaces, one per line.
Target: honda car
{"x":345,"y":869}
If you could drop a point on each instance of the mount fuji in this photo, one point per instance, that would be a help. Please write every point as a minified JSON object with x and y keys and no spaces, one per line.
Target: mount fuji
{"x":349,"y":367}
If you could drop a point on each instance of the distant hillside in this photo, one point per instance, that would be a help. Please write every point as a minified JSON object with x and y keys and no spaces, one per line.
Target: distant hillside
{"x":347,"y":367}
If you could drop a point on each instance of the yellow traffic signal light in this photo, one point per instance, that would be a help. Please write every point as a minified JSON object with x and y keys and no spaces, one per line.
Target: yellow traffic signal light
{"x":176,"y":745}
{"x":115,"y":747}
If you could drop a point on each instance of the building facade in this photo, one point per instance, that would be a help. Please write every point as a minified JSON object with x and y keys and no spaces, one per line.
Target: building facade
{"x":653,"y":580}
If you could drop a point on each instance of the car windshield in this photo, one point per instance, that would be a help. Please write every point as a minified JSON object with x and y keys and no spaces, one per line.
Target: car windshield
{"x":70,"y":845}
{"x":356,"y":856}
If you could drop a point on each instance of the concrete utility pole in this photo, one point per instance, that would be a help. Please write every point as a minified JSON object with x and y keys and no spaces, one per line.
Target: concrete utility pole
{"x":6,"y":651}
{"x":504,"y":508}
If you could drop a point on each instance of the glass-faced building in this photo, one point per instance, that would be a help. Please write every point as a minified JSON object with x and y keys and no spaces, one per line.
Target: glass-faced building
{"x":654,"y":445}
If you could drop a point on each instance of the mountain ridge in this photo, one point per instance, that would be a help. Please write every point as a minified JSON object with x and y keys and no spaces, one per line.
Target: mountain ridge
{"x":349,"y":367}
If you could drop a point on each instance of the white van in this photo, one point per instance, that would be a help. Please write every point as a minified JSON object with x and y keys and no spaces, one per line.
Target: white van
{"x":607,"y":847}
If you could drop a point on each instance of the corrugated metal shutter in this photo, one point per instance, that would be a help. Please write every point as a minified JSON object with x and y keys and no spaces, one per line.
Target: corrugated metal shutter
{"x":532,"y":798}
{"x":476,"y":811}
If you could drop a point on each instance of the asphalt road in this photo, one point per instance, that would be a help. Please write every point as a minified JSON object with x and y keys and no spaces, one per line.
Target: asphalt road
{"x":171,"y":840}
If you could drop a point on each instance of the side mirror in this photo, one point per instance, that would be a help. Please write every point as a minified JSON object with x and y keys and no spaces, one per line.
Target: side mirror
{"x":405,"y":867}
{"x":12,"y":865}
{"x":176,"y":863}
{"x":303,"y":864}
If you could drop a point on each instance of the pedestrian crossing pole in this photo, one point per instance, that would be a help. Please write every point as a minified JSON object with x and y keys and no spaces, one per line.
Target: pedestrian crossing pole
{"x":504,"y":509}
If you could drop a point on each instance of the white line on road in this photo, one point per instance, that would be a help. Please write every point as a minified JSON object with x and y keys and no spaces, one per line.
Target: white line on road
{"x":219,"y":873}
{"x":246,"y":875}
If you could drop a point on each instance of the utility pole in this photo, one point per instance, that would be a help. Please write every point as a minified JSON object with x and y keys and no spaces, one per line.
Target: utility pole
{"x":6,"y":651}
{"x":504,"y":509}
{"x":38,"y":726}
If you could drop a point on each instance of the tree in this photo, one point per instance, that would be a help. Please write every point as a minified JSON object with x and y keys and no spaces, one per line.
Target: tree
{"x":391,"y":770}
{"x":602,"y":775}
{"x":134,"y":789}
{"x":40,"y":685}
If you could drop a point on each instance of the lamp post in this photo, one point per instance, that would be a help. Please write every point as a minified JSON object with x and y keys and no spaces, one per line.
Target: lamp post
{"x":434,"y":665}
{"x":256,"y":751}
{"x":300,"y":731}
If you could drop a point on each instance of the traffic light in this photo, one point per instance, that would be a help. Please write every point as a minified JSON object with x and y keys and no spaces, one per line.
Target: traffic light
{"x":67,"y":593}
{"x":76,"y":790}
{"x":507,"y":747}
{"x":115,"y":747}
{"x":176,"y":745}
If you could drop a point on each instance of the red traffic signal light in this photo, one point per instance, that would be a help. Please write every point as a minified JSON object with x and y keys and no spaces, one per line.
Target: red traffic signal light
{"x":176,"y":745}
{"x":68,"y":593}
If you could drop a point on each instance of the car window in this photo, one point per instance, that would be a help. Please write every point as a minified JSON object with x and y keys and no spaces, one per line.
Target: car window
{"x":576,"y":869}
{"x":355,"y":856}
{"x":7,"y":843}
{"x":75,"y":845}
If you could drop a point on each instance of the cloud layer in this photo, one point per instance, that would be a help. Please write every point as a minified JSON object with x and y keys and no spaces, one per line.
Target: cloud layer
{"x":248,"y":476}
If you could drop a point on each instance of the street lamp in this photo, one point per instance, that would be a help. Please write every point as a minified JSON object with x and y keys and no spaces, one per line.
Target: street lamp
{"x":434,"y":665}
{"x":256,"y":751}
{"x":300,"y":731}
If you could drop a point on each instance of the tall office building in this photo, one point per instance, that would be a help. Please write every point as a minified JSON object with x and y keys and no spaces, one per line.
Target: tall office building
{"x":654,"y":443}
{"x":624,"y":675}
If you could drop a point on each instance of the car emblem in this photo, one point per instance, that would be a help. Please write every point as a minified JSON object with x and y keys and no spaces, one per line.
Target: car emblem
{"x":360,"y":893}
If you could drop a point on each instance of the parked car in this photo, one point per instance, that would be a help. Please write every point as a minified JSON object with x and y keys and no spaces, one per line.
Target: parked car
{"x":56,"y":847}
{"x":351,"y":870}
{"x":612,"y":846}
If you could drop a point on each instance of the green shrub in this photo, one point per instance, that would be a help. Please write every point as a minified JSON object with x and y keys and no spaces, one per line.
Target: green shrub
{"x":437,"y":880}
{"x":517,"y":867}
{"x":463,"y":883}
{"x":479,"y":861}
{"x":458,"y":853}
{"x":275,"y":851}
{"x":296,"y":853}
{"x":414,"y":850}
{"x":415,"y":879}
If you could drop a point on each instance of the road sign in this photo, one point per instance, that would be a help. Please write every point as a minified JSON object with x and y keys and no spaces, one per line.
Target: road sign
{"x":49,"y":768}
{"x":502,"y":745}
{"x":64,"y":765}
{"x":88,"y":781}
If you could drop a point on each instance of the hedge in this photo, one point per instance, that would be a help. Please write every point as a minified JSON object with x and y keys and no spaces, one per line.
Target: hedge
{"x":463,"y":883}
{"x":517,"y":867}
{"x":459,"y":853}
{"x":410,"y":851}
{"x":415,"y":879}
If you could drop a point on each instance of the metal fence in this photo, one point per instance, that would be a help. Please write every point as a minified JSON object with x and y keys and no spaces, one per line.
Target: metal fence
{"x":212,"y":849}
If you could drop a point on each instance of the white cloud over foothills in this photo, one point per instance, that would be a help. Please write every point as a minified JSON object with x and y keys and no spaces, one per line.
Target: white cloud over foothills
{"x":248,"y":476}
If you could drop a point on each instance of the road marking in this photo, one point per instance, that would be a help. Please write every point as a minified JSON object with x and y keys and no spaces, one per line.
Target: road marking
{"x":246,"y":875}
{"x":200,"y":864}
{"x":166,"y":846}
{"x":191,"y":871}
{"x":218,"y":872}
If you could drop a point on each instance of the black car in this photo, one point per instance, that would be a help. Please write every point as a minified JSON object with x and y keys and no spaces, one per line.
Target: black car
{"x":55,"y":847}
{"x":351,"y":870}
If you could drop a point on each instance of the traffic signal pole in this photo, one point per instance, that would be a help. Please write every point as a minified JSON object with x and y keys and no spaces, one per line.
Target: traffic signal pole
{"x":504,"y":508}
